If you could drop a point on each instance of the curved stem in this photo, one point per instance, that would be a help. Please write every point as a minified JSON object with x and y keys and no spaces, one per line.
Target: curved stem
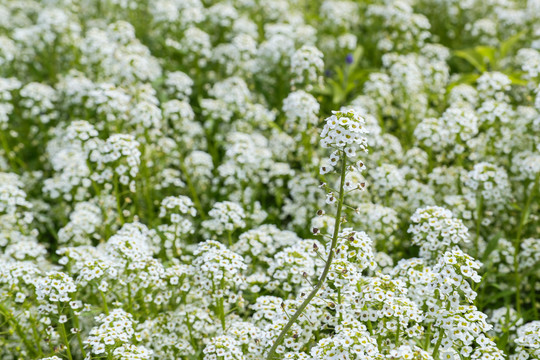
{"x":322,"y":279}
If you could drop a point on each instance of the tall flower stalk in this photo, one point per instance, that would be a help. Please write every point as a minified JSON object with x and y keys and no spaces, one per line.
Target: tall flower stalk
{"x":342,"y":132}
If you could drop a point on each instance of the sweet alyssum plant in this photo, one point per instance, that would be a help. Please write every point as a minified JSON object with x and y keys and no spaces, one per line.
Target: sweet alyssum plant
{"x":422,"y":309}
{"x":344,"y":133}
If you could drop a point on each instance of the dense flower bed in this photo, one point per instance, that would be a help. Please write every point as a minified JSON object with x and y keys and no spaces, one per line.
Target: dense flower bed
{"x":279,"y":179}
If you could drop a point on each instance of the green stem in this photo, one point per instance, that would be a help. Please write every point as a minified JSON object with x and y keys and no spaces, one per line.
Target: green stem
{"x":192,"y":190}
{"x":191,"y":337}
{"x":229,"y":235}
{"x":18,"y":328}
{"x":104,"y":299}
{"x":79,"y":339}
{"x":36,"y":336}
{"x":308,"y":150}
{"x":438,"y":344}
{"x":517,"y":242}
{"x":64,"y":336}
{"x":533,"y":296}
{"x":222,"y":306}
{"x":397,"y":334}
{"x":439,"y":340}
{"x":118,"y":200}
{"x":130,"y":299}
{"x":339,"y":303}
{"x":322,"y":279}
{"x":9,"y":154}
{"x":428,"y":337}
{"x":479,"y":212}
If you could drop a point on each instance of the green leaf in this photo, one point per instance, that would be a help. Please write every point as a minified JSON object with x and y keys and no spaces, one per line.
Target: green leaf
{"x":339,"y":95}
{"x":350,"y":87}
{"x":508,"y":44}
{"x":473,"y":58}
{"x":464,"y":79}
{"x":517,"y":80}
{"x":493,"y":298}
{"x":491,"y":246}
{"x":339,"y":73}
{"x":515,"y":206}
{"x":357,"y":55}
{"x":487,"y":53}
{"x":326,"y":90}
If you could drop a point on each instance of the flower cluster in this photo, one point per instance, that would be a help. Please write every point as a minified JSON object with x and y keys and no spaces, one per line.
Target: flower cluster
{"x":345,"y":130}
{"x":435,"y":230}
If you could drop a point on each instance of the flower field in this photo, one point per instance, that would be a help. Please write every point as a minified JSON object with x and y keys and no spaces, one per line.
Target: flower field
{"x":270,"y":179}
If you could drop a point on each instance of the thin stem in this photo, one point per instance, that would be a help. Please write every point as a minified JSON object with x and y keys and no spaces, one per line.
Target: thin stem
{"x":78,"y":328}
{"x":517,"y":242}
{"x":320,"y":256}
{"x":322,"y":279}
{"x":148,"y":193}
{"x":428,"y":337}
{"x":370,"y":327}
{"x":192,"y":190}
{"x":104,"y":299}
{"x":18,"y":329}
{"x":397,"y":334}
{"x":194,"y":343}
{"x":130,"y":298}
{"x":439,"y":340}
{"x":229,"y":236}
{"x":118,"y":200}
{"x":36,"y":336}
{"x":479,"y":212}
{"x":222,"y":306}
{"x":64,"y":336}
{"x":533,"y":297}
{"x":9,"y":153}
{"x":438,"y":344}
{"x":339,"y":303}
